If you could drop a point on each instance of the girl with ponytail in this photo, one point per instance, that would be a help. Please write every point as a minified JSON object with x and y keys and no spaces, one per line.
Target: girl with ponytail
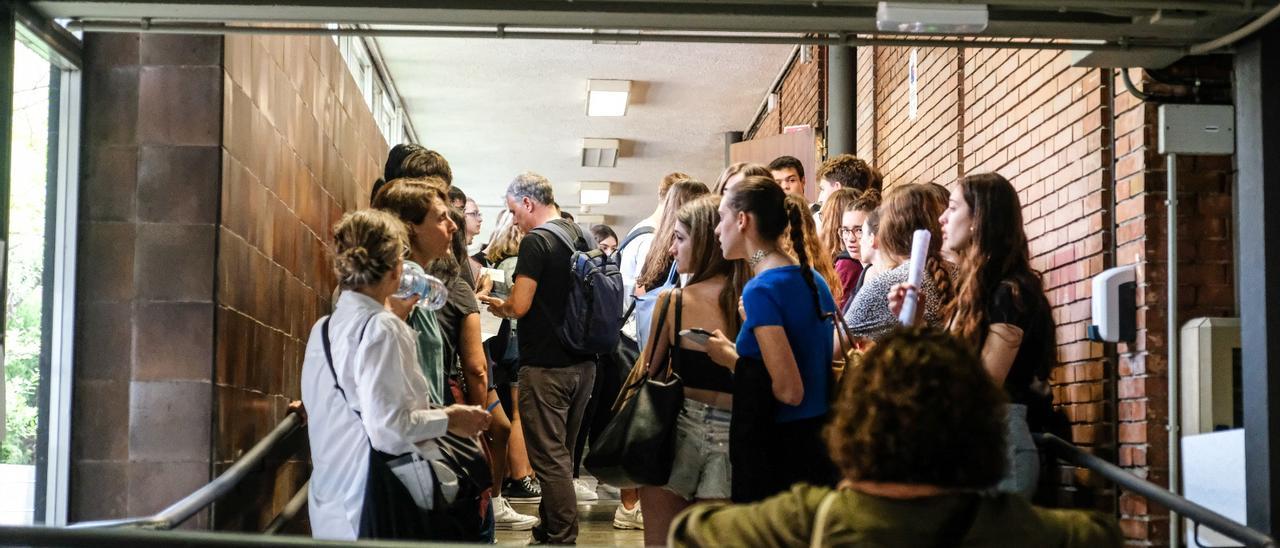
{"x":781,"y":358}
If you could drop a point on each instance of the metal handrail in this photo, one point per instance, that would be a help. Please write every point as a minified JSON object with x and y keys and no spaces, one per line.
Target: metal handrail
{"x":181,"y":511}
{"x":143,"y":538}
{"x":1194,"y":512}
{"x":290,"y":510}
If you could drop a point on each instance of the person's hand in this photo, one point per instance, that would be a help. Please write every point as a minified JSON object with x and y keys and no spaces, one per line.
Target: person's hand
{"x":495,"y":304}
{"x":898,"y":294}
{"x":467,"y":421}
{"x":401,"y":307}
{"x":297,"y":407}
{"x":722,"y":350}
{"x":484,"y":284}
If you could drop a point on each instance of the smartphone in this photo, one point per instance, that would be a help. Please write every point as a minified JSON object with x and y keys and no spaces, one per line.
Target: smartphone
{"x":497,"y":275}
{"x":696,"y":336}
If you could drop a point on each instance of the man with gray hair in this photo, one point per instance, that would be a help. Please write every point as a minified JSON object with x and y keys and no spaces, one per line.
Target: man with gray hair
{"x":555,"y":384}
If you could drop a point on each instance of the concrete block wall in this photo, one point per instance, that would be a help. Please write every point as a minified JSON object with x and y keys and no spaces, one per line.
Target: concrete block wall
{"x":213,"y":171}
{"x":142,"y":410}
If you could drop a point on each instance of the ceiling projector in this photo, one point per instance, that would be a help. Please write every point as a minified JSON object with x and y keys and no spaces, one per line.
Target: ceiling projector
{"x":931,"y":18}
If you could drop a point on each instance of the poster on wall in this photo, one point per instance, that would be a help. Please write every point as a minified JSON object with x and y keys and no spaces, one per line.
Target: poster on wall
{"x":913,"y":97}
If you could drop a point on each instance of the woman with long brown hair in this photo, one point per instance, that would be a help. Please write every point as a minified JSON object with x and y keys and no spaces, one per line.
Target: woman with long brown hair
{"x":782,"y":355}
{"x":847,"y":268}
{"x":658,"y":271}
{"x":708,"y":301}
{"x":1001,"y":311}
{"x":906,"y":209}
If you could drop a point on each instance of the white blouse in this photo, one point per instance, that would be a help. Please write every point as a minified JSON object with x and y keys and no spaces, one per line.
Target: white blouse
{"x":378,"y":370}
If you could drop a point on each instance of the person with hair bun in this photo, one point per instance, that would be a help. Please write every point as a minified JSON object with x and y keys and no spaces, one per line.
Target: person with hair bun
{"x":781,"y":359}
{"x":906,"y":209}
{"x":366,"y":398}
{"x":918,"y":435}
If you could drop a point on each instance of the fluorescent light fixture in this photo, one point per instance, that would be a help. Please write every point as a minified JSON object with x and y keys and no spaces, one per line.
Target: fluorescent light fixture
{"x":585,"y":219}
{"x":931,"y":18}
{"x":608,"y":97}
{"x":594,"y":192}
{"x":600,"y":152}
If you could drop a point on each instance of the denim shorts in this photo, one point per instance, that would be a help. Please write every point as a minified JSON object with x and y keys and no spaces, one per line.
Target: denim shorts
{"x":1023,"y":473}
{"x":701,"y":468}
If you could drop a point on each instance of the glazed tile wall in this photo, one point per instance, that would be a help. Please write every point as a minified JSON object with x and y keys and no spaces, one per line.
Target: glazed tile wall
{"x":299,"y":148}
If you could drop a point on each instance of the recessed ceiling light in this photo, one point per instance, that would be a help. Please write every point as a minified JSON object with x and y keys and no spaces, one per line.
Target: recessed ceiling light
{"x":931,"y":18}
{"x":594,"y":192}
{"x":600,"y":152}
{"x":608,"y":97}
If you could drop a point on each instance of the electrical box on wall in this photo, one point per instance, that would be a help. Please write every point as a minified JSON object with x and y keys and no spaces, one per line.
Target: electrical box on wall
{"x":1197,"y":129}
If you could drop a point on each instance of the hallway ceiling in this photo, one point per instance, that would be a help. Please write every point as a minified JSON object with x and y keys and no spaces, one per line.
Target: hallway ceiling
{"x":1130,"y":22}
{"x":496,"y":108}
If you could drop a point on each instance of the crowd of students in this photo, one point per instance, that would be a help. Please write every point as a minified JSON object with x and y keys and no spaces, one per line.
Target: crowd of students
{"x":787,"y":435}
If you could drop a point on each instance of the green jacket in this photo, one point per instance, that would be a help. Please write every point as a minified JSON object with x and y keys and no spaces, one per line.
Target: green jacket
{"x":858,"y":519}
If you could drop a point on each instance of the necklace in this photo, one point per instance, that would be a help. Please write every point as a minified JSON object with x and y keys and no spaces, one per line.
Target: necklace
{"x":758,"y":256}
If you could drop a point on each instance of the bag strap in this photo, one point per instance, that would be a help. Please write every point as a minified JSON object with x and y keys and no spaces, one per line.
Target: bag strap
{"x":567,"y":239}
{"x":819,"y":532}
{"x":636,"y":233}
{"x":673,"y":353}
{"x":328,"y":358}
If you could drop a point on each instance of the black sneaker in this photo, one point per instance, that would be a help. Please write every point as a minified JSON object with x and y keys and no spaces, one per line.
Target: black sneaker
{"x":524,"y":490}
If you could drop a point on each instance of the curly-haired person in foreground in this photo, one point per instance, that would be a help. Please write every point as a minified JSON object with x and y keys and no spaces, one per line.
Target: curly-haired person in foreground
{"x":918,"y":436}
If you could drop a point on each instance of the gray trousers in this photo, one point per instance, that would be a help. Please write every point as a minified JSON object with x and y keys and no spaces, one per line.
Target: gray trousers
{"x":553,"y":401}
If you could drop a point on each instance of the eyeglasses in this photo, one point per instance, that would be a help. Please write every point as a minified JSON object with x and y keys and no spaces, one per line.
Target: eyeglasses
{"x":845,"y":232}
{"x":473,"y":214}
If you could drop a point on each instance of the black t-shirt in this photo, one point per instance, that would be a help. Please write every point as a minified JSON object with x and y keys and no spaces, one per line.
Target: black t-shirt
{"x":1036,"y":354}
{"x":545,"y":259}
{"x":461,"y":303}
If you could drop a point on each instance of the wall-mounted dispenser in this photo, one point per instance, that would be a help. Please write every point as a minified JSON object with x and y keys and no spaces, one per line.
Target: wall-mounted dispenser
{"x":1115,"y":305}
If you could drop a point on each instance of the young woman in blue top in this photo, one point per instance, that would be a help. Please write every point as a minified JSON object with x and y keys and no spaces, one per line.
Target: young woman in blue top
{"x":781,"y":359}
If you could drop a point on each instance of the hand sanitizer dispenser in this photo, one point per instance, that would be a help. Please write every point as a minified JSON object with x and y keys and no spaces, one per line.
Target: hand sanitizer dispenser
{"x":1115,"y":305}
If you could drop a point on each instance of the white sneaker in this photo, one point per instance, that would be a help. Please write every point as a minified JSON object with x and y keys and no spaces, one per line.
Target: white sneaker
{"x":584,"y":491}
{"x":508,"y":519}
{"x":628,"y":519}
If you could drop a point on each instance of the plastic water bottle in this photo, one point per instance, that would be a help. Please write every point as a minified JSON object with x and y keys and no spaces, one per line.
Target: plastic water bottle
{"x":431,"y":292}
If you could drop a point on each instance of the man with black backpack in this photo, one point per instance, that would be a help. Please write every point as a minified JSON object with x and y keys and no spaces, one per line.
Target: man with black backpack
{"x":568,"y":297}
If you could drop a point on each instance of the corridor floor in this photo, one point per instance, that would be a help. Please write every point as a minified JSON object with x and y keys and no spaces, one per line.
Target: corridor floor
{"x":595,"y":525}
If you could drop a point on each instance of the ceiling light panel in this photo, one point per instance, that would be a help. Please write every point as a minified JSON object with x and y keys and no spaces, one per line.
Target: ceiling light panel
{"x":608,"y":97}
{"x":600,"y":152}
{"x":931,"y":17}
{"x":594,"y":192}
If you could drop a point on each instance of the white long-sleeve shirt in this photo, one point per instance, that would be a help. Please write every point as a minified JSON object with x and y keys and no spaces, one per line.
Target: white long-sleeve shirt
{"x":378,"y":370}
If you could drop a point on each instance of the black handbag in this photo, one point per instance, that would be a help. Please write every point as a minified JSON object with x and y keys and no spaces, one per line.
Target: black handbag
{"x":638,"y":446}
{"x":389,"y":510}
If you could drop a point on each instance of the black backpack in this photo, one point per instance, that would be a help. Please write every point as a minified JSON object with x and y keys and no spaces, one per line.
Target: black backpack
{"x":593,"y":311}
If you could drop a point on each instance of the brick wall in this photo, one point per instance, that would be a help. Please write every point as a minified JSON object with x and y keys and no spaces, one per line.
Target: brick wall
{"x":1205,"y":275}
{"x":801,"y":97}
{"x":300,"y":148}
{"x":1048,"y":128}
{"x":144,"y":302}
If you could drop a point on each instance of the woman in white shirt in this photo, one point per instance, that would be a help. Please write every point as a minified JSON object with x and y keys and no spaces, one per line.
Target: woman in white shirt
{"x":365,"y":396}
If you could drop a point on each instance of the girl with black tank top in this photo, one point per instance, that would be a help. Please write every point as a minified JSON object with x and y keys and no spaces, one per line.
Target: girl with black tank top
{"x":1002,"y":312}
{"x":708,"y":301}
